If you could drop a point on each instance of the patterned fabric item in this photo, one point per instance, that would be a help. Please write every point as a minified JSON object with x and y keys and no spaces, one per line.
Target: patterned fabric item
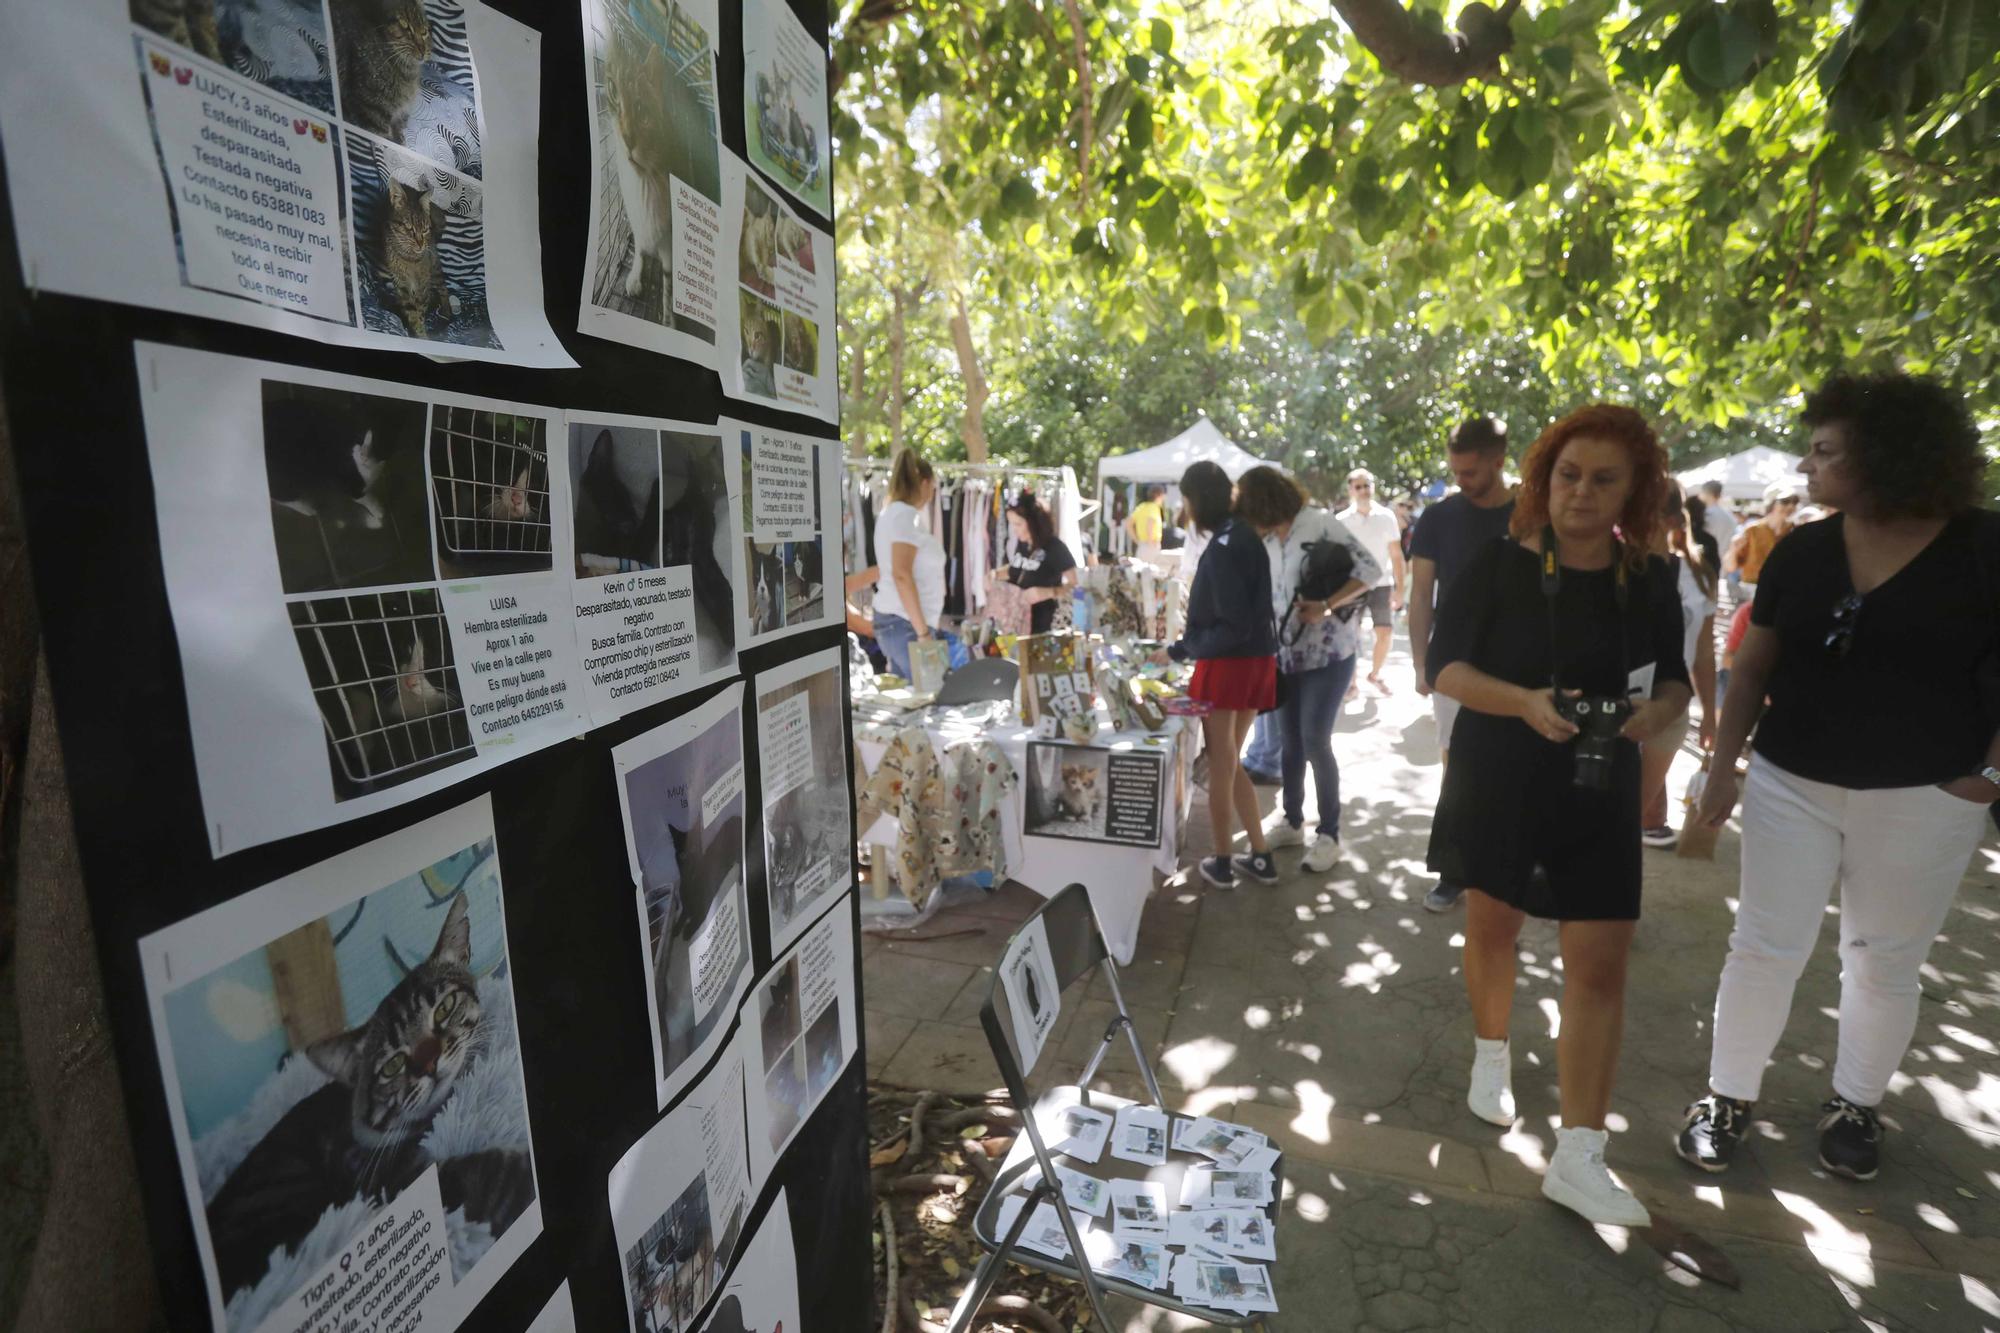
{"x":947,"y":815}
{"x":1007,"y":606}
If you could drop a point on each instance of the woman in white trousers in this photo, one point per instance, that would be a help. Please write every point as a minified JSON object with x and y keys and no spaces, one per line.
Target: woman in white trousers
{"x":1876,"y":638}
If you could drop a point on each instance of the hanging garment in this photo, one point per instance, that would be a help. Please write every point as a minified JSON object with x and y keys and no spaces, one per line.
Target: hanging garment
{"x":947,"y":813}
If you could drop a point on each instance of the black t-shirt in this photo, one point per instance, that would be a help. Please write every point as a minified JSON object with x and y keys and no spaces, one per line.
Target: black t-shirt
{"x":1451,"y":530}
{"x":1902,"y":706}
{"x":1040,"y":567}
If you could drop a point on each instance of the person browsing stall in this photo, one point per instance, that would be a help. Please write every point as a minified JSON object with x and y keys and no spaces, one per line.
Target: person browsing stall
{"x":1233,"y":645}
{"x":1316,"y":646}
{"x":1562,"y":643}
{"x":1039,"y":562}
{"x":1875,"y":636}
{"x":909,"y":601}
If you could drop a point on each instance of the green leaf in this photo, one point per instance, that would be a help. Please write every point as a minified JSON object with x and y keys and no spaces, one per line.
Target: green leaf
{"x":1721,"y":50}
{"x":1138,"y":67}
{"x":1139,"y":124}
{"x":1163,"y":36}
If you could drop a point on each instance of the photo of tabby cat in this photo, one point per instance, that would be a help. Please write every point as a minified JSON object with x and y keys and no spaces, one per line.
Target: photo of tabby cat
{"x":342,"y":1061}
{"x":346,"y":478}
{"x":281,"y":44}
{"x":421,"y":239}
{"x":405,"y":70}
{"x":654,"y":85}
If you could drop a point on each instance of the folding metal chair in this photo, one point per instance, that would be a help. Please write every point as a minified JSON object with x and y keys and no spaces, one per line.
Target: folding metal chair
{"x":1076,"y":948}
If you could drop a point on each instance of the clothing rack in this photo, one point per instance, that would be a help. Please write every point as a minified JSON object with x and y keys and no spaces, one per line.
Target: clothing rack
{"x":872,"y":464}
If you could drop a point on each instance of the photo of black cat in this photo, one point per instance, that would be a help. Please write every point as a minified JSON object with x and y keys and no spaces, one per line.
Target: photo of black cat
{"x":385,"y":681}
{"x":420,"y":237}
{"x":778,"y":1009}
{"x":823,"y":1058}
{"x":764,"y":580}
{"x":281,"y":44}
{"x":694,"y":526}
{"x":490,"y":492}
{"x":346,"y":478}
{"x":786,"y":1095}
{"x":615,"y":495}
{"x":295,"y":1159}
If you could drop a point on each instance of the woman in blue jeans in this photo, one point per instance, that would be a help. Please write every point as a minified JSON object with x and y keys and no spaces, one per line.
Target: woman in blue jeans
{"x":910,"y":595}
{"x":1315,"y":652}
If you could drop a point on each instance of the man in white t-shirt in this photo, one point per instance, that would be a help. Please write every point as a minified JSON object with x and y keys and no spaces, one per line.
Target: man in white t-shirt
{"x":1377,"y":529}
{"x":1721,"y":524}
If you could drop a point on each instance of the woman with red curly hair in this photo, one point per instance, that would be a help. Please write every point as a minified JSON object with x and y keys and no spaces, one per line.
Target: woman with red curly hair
{"x":1568,"y":613}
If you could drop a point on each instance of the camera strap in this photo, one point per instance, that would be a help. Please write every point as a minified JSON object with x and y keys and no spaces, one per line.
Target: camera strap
{"x":1552,"y":585}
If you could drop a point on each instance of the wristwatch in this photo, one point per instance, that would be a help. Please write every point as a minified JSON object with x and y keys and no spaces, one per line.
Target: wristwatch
{"x":1992,"y":775}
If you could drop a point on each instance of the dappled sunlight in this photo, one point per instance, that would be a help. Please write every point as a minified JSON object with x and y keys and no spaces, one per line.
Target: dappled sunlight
{"x":1839,"y":1248}
{"x":1975,"y":1108}
{"x":1525,"y":1148}
{"x":1314,"y":1120}
{"x":1710,"y":1195}
{"x":1311,"y":1207}
{"x":1194,"y":1063}
{"x":1936,"y":1218}
{"x":1553,"y":1013}
{"x":1979,"y":1295}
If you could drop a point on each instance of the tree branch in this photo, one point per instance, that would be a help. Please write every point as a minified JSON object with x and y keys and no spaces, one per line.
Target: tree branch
{"x":1415,"y":54}
{"x":1086,"y":91}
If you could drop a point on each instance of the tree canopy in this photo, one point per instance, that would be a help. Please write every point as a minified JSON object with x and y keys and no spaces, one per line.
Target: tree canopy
{"x":1701,"y":206}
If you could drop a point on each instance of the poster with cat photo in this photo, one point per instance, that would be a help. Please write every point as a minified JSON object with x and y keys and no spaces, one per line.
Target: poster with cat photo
{"x":763,"y":1292}
{"x":808,"y":813}
{"x":650,"y":262}
{"x":681,"y":792}
{"x":1087,"y":793}
{"x":776,"y":332}
{"x":784,"y":104}
{"x":679,"y":1198}
{"x":799,"y":1030}
{"x":343,"y":1072}
{"x":329,"y":171}
{"x":791,"y":501}
{"x":654,"y":522}
{"x":368,"y":583}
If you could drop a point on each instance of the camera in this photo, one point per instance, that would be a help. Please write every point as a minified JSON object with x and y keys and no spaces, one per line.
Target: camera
{"x":1598,"y":719}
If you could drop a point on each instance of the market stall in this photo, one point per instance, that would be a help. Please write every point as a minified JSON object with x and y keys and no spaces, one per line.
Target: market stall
{"x":1744,"y":476}
{"x":1120,"y":476}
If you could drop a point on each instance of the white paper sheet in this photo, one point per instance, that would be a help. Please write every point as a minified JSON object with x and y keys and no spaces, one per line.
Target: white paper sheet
{"x":775,"y":333}
{"x":1240,"y":1231}
{"x":784,"y":104}
{"x":652,"y":514}
{"x":262,"y":1012}
{"x":651,"y":275}
{"x":1075,"y":1131}
{"x":808,"y":807}
{"x":1220,"y":1188}
{"x":559,"y":1315}
{"x":1140,"y":1135}
{"x":1139,"y":1208}
{"x":800,"y":1028}
{"x":765,"y":1285}
{"x":1028,"y":975}
{"x":680,"y":790}
{"x":1083,"y":1193}
{"x":365,"y":583}
{"x":679,"y":1200}
{"x":791,"y":518}
{"x":150,"y":172}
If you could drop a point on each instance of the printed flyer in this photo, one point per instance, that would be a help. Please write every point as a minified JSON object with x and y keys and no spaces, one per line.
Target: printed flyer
{"x":653,"y":514}
{"x":344,"y":1077}
{"x":808,"y":817}
{"x":784,"y":103}
{"x":651,"y":266}
{"x":1093,"y":794}
{"x":763,"y":1292}
{"x":336,"y":172}
{"x":678,"y":1201}
{"x":791,"y":502}
{"x":776,"y":333}
{"x":364,"y":583}
{"x":799,"y":1030}
{"x":680,"y":788}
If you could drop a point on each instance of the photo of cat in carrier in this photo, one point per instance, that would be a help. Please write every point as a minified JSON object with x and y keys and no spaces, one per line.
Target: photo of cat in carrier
{"x":420,"y":236}
{"x":345,"y":473}
{"x":383,"y":676}
{"x":490,"y":488}
{"x":671,"y":1271}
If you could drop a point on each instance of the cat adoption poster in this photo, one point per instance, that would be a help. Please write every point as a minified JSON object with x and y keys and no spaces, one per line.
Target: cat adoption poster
{"x":336,"y":172}
{"x":799,"y":1030}
{"x":784,"y":104}
{"x":791,"y":502}
{"x":368,"y":583}
{"x":650,"y":265}
{"x":1088,"y":793}
{"x":653,"y":516}
{"x":679,"y":1198}
{"x":343,"y":1072}
{"x":808,"y":810}
{"x":776,"y":333}
{"x":681,"y":791}
{"x":763,"y":1292}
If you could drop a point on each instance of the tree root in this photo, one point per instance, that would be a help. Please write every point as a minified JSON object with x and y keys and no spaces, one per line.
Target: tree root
{"x":890,"y":1262}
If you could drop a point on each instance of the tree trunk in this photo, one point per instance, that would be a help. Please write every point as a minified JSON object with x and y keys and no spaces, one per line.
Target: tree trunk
{"x":899,"y":302}
{"x":972,"y":428}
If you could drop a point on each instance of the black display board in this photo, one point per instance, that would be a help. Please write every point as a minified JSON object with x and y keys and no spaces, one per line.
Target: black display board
{"x":72,"y":400}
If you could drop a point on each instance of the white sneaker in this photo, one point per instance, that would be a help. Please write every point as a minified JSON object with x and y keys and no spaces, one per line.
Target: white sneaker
{"x":1578,"y":1180}
{"x":1282,"y":832}
{"x":1323,"y":855}
{"x":1491,"y":1095}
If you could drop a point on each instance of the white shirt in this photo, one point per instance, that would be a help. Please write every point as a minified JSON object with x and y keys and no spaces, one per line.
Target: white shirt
{"x":1721,"y":525}
{"x":1288,"y":559}
{"x":1377,"y":531}
{"x":1192,"y":546}
{"x":1695,"y":608}
{"x":896,"y":526}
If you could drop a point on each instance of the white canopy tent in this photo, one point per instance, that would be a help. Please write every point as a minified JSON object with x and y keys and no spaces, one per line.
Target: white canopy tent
{"x":1745,"y":476}
{"x":1164,"y":463}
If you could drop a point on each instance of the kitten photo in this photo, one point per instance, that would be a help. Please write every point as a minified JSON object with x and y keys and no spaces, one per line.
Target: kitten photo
{"x":490,"y":492}
{"x":346,"y":477}
{"x":421,"y":243}
{"x":1078,"y":797}
{"x":616,"y":495}
{"x":406,"y":75}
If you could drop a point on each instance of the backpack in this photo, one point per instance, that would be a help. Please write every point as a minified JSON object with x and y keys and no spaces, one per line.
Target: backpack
{"x":1326,"y":569}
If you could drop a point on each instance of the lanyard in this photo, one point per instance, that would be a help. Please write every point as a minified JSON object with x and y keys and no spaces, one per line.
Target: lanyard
{"x":1552,"y":584}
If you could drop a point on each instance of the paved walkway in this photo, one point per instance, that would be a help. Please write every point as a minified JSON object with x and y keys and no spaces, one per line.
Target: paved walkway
{"x":1329,"y":1012}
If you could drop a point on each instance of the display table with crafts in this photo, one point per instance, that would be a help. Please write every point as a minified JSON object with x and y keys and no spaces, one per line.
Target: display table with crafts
{"x":986,"y":792}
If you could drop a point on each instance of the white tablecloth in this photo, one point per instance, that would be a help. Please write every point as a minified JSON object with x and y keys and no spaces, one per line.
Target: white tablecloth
{"x":1119,"y":879}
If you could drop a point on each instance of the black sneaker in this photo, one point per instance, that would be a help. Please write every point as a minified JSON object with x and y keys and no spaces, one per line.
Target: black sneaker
{"x":1443,"y":897}
{"x":1713,"y":1128}
{"x":1258,"y":865}
{"x":1215,"y":869}
{"x":1850,"y":1139}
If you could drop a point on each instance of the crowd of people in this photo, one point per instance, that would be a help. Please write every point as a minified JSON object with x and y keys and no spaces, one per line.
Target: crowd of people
{"x":1561,"y":627}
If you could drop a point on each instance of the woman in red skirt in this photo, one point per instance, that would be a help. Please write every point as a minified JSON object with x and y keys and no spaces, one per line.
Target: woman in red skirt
{"x":1234,"y":648}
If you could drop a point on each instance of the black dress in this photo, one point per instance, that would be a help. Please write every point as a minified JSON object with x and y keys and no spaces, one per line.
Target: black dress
{"x":1510,"y":801}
